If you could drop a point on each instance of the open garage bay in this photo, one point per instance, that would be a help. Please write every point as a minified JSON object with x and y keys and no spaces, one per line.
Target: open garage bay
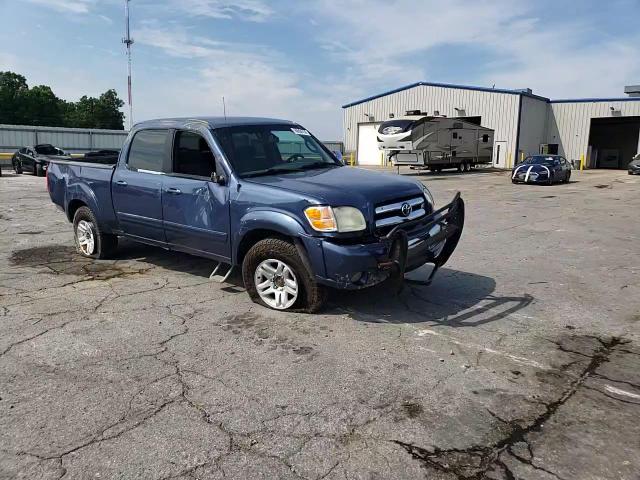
{"x":520,"y":361}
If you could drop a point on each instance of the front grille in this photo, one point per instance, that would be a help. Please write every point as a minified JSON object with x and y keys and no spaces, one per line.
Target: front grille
{"x":390,"y":214}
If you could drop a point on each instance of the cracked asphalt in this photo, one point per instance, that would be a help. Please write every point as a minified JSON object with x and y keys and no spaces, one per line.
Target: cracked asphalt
{"x":521,"y":361}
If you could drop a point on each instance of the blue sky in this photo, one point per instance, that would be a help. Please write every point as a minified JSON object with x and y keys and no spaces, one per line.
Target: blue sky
{"x":303,"y":59}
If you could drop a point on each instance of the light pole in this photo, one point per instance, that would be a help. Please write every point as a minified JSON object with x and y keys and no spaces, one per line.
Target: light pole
{"x":128,"y":41}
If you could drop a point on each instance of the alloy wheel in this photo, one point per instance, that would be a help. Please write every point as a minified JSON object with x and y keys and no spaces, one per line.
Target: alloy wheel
{"x":276,"y":284}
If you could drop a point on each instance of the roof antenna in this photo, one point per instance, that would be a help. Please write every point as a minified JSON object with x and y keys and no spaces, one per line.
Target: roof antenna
{"x":224,"y":109}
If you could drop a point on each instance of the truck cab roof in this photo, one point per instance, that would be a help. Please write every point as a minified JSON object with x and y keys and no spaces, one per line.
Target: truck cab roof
{"x":212,"y":122}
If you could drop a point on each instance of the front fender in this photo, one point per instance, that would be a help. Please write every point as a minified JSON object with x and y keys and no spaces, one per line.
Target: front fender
{"x":309,"y":247}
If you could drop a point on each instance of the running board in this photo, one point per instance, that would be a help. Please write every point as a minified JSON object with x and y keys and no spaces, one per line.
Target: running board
{"x":219,"y":277}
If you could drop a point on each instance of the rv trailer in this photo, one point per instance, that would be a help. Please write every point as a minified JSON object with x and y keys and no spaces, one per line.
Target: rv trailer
{"x":434,"y":142}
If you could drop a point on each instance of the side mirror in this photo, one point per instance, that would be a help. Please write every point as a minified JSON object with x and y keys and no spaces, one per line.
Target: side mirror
{"x":217,"y":178}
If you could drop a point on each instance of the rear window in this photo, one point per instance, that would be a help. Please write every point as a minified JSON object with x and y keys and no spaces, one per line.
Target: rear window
{"x":148,"y":150}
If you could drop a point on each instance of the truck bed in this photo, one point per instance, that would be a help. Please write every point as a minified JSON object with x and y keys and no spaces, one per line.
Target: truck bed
{"x":81,"y":181}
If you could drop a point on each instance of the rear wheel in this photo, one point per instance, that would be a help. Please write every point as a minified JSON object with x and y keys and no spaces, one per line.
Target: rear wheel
{"x":466,"y":167}
{"x":38,"y":171}
{"x":460,"y":168}
{"x":276,"y":277}
{"x":90,"y":241}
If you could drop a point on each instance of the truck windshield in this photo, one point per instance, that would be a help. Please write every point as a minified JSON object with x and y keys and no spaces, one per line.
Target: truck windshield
{"x":255,"y":150}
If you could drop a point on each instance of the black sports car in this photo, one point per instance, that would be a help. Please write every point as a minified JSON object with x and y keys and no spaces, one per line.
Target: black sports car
{"x":36,"y":159}
{"x":634,"y":165}
{"x":545,"y":169}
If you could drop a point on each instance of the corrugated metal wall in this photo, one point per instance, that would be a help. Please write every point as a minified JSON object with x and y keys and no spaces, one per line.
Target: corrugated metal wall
{"x":499,"y":111}
{"x":73,"y":140}
{"x":533,"y":123}
{"x":569,"y":123}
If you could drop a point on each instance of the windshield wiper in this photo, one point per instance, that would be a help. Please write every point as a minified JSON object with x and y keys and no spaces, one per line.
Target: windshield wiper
{"x":274,"y":170}
{"x":313,"y":165}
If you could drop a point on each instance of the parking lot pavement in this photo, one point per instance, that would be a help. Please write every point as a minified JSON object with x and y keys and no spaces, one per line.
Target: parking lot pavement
{"x":520,"y":361}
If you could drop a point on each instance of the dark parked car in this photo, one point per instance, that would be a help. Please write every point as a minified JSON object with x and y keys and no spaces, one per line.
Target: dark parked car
{"x":634,"y":165}
{"x":260,"y":194}
{"x":36,"y":159}
{"x":545,"y":169}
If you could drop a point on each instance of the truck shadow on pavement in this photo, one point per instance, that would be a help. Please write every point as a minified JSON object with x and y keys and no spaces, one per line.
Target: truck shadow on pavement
{"x":454,"y":299}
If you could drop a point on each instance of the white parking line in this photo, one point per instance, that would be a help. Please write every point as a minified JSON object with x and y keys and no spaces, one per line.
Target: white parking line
{"x":618,"y":391}
{"x":515,"y":358}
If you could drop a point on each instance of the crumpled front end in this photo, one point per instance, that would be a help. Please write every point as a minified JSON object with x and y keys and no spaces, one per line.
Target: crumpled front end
{"x":429,"y":239}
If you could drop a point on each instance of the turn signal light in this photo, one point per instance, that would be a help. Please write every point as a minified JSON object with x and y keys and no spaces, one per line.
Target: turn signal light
{"x":321,"y":219}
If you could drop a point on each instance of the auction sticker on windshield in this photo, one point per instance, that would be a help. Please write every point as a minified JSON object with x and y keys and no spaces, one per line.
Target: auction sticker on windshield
{"x":300,"y":131}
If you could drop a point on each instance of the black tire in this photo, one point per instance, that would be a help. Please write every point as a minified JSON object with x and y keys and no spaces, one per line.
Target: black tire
{"x":438,"y":169}
{"x":567,"y":177}
{"x":460,"y":168}
{"x":104,"y":243}
{"x":17,"y":167}
{"x":311,"y":296}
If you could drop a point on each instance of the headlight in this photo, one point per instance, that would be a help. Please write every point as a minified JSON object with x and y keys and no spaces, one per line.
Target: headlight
{"x":339,"y":219}
{"x":349,"y":219}
{"x":429,"y":197}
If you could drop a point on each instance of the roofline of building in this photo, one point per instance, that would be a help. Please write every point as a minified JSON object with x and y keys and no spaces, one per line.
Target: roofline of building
{"x":490,"y":90}
{"x":446,"y":85}
{"x":594,"y":100}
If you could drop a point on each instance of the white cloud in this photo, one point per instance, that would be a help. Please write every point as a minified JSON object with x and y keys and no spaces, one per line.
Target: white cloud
{"x":68,"y":6}
{"x":384,"y":46}
{"x":250,"y":10}
{"x":254,"y":81}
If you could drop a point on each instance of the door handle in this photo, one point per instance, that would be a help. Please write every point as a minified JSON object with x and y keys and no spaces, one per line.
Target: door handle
{"x":174,"y":191}
{"x":122,"y":182}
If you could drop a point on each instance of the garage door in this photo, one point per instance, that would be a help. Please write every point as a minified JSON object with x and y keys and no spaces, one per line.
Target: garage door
{"x":368,"y":153}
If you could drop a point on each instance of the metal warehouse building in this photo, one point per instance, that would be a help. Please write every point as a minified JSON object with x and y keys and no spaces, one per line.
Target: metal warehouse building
{"x":603,"y":131}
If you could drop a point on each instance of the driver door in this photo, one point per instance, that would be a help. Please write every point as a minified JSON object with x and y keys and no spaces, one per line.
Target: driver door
{"x":195,"y":210}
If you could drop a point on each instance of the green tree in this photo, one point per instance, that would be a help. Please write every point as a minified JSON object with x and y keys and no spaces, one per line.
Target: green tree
{"x":13,"y":89}
{"x":20,"y":105}
{"x":42,"y":107}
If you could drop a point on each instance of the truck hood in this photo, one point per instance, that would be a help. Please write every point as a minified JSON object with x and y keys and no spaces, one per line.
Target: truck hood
{"x":344,"y":185}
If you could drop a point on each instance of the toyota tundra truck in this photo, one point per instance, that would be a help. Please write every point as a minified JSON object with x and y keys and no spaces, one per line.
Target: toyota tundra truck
{"x":262,"y":195}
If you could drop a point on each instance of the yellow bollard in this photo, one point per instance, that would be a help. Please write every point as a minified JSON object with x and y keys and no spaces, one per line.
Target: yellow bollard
{"x":351,"y":159}
{"x":581,"y":161}
{"x":521,"y":157}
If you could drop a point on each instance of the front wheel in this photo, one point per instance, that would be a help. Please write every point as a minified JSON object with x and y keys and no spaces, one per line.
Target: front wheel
{"x":90,"y":241}
{"x":276,"y":277}
{"x":38,"y":170}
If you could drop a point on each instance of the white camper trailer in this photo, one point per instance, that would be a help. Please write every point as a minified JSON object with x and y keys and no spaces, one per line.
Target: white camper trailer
{"x":434,"y":142}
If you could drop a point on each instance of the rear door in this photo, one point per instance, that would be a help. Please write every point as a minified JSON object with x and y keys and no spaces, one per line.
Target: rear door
{"x":137,"y":185}
{"x":195,"y":209}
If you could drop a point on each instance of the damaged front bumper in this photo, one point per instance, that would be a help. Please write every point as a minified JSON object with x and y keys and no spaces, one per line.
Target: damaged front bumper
{"x":408,"y":246}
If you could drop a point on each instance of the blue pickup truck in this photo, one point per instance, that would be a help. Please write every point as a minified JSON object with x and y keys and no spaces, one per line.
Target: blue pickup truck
{"x":260,"y":194}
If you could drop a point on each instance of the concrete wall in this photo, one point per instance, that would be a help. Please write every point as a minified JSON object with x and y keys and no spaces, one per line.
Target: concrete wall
{"x":569,"y":123}
{"x":499,"y":110}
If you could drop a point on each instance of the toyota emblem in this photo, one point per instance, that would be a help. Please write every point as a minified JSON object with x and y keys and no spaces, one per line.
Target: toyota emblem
{"x":406,"y":209}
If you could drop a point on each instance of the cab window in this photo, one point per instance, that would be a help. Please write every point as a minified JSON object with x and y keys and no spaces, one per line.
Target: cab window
{"x":148,"y":150}
{"x":192,"y":155}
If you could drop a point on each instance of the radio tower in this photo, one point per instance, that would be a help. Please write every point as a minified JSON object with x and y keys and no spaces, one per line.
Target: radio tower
{"x":128,"y":41}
